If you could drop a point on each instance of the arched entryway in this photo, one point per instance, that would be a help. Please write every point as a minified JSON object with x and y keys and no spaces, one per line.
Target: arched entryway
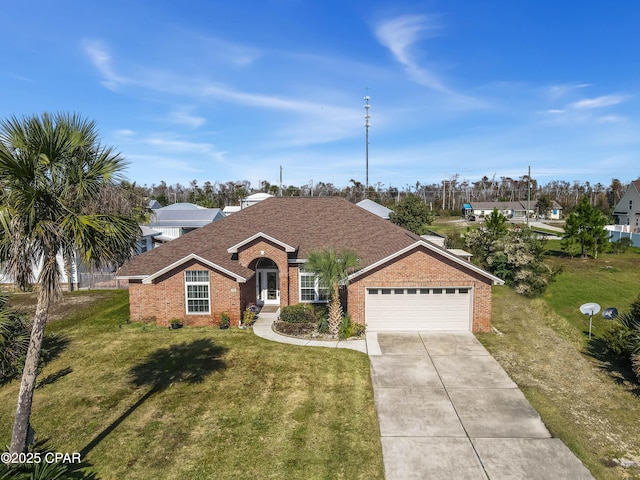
{"x":267,"y":282}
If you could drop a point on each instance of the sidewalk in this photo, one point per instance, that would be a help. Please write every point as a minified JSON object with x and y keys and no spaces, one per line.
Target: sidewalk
{"x":263,"y":328}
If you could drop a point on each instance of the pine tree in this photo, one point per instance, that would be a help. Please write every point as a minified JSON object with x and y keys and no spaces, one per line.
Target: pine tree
{"x":584,"y":230}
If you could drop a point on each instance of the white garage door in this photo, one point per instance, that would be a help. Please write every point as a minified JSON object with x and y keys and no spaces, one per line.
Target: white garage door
{"x":423,"y":309}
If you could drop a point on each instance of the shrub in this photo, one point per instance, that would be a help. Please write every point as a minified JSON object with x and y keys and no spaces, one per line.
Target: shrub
{"x":358,"y":329}
{"x":349,"y":329}
{"x":225,"y":320}
{"x":623,"y":338}
{"x":345,"y":327}
{"x":621,"y":246}
{"x":248,"y":317}
{"x":635,"y":365}
{"x":299,"y":313}
{"x":516,"y":256}
{"x":323,"y":324}
{"x":14,"y":341}
{"x":454,"y":239}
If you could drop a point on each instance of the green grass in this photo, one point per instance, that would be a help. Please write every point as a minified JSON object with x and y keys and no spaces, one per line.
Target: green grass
{"x":584,"y":399}
{"x":611,"y":280}
{"x":146,"y":403}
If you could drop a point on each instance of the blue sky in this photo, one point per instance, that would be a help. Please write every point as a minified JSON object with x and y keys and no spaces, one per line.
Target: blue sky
{"x":222,"y":90}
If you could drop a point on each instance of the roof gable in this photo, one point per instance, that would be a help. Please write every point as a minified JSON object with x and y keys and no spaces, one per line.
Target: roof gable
{"x":632,"y":193}
{"x":238,"y":246}
{"x":182,"y":261}
{"x":439,"y":251}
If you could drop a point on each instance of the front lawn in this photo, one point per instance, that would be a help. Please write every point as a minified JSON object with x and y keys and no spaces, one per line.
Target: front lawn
{"x":147,"y":403}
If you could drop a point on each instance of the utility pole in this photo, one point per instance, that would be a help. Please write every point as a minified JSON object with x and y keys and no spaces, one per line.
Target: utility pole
{"x":280,"y":189}
{"x":528,"y":194}
{"x":444,"y":191}
{"x":366,"y":129}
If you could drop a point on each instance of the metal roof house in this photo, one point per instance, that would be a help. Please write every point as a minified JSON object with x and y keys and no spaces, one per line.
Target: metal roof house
{"x":177,"y":219}
{"x":246,"y":202}
{"x":375,"y":208}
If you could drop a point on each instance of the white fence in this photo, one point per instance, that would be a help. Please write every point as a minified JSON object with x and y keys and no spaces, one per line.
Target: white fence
{"x":623,"y":231}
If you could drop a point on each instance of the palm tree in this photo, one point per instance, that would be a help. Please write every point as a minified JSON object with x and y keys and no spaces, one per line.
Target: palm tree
{"x":52,"y":168}
{"x":332,"y":268}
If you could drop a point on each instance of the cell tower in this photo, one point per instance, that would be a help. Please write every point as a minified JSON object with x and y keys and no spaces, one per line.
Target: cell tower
{"x":366,"y":129}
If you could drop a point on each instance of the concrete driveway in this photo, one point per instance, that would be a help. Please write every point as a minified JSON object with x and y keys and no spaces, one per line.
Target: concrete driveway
{"x":447,"y":410}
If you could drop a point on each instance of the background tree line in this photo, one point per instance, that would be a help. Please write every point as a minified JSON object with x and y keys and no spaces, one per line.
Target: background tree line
{"x":448,"y":195}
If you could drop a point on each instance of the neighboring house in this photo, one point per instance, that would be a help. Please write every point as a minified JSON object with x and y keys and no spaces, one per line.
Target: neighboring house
{"x":229,"y":209}
{"x":246,"y":202}
{"x":511,"y":210}
{"x":258,"y":254}
{"x":145,"y":242}
{"x":253,"y":199}
{"x":516,"y":210}
{"x":627,"y":211}
{"x":627,"y":214}
{"x":375,"y":208}
{"x":554,"y":213}
{"x":176,"y":219}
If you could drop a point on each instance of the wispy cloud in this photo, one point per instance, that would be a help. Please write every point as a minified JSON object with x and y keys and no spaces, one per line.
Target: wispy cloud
{"x":101,"y":59}
{"x":188,"y":86}
{"x":599,"y":102}
{"x":15,"y":76}
{"x":586,"y":110}
{"x":326,"y":121}
{"x":400,"y":34}
{"x":611,"y":118}
{"x":125,"y":132}
{"x":556,"y":92}
{"x":168,"y":144}
{"x":184,"y":117}
{"x":230,"y":53}
{"x":168,"y":151}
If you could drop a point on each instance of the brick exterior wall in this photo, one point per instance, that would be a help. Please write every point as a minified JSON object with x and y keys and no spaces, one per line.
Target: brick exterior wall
{"x":248,"y":257}
{"x":165,"y":300}
{"x":422,"y":268}
{"x":294,"y":292}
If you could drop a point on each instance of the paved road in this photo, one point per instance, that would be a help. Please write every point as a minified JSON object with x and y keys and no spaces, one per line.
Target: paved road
{"x":447,"y":410}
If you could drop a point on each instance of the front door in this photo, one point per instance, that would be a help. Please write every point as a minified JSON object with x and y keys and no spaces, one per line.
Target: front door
{"x":267,"y":287}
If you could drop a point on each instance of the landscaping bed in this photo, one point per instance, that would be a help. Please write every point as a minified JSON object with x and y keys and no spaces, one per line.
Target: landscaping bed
{"x":310,"y":322}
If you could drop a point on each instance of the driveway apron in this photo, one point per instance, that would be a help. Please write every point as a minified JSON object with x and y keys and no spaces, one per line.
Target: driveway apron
{"x":447,"y":410}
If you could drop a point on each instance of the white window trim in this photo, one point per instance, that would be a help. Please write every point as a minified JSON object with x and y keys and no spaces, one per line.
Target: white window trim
{"x":316,"y":288}
{"x":186,"y":292}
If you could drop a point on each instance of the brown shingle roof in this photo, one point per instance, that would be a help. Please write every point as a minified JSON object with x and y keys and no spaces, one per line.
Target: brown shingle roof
{"x":305,"y":223}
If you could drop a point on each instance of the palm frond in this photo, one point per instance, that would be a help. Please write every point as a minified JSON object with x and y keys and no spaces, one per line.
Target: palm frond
{"x":51,"y":168}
